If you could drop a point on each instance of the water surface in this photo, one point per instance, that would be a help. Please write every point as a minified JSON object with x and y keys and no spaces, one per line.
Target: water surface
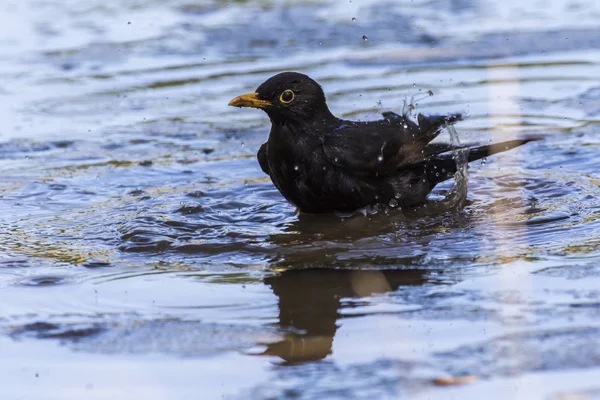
{"x":144,"y":252}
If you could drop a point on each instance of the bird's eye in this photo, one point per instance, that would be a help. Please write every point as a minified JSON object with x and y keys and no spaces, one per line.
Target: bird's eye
{"x":286,"y":96}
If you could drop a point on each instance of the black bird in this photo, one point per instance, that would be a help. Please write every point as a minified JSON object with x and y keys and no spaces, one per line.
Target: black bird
{"x":322,"y":164}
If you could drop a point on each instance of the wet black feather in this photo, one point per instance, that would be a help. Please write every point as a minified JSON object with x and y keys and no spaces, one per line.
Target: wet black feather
{"x":324,"y":164}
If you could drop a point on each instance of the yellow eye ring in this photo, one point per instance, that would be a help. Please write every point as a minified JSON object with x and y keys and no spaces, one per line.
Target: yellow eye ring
{"x":287,"y":96}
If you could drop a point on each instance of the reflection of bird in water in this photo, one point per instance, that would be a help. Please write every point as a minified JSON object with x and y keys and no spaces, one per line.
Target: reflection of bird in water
{"x":310,"y":302}
{"x":323,"y":164}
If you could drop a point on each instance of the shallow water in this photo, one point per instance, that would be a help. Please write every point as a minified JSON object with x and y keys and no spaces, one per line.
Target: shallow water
{"x":144,"y":252}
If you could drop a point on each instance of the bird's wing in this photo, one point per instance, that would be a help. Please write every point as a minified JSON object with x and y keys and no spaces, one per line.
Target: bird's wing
{"x":262,"y":158}
{"x":382,"y":147}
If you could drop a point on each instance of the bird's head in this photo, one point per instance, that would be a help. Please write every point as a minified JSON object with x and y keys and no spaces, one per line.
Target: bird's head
{"x":287,"y":97}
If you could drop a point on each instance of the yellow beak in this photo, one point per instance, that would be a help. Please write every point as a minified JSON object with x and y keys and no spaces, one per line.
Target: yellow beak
{"x":249,"y":100}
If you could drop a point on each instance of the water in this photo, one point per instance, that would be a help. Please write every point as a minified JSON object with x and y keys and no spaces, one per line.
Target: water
{"x":144,"y":252}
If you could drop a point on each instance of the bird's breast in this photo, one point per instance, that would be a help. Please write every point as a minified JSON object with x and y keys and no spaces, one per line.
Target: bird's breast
{"x":297,"y":167}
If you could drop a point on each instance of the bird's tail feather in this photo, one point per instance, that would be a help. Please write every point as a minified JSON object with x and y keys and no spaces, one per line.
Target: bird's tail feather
{"x":444,"y":166}
{"x":477,"y":153}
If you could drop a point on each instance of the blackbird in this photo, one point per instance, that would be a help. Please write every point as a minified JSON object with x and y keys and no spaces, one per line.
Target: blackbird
{"x":323,"y":164}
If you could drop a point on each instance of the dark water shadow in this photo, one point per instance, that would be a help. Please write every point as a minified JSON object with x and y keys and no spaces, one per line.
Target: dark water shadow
{"x":310,"y":303}
{"x":390,"y":239}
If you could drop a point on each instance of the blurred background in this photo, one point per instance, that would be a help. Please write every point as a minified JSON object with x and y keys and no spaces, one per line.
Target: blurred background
{"x":143,"y":252}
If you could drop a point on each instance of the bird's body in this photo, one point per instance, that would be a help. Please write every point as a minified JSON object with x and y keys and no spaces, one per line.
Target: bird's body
{"x":324,"y":164}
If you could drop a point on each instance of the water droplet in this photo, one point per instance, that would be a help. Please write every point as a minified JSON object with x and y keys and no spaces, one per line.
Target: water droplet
{"x":405,"y":126}
{"x":414,"y":85}
{"x":353,"y":19}
{"x":295,"y":168}
{"x":376,"y":197}
{"x":380,"y":158}
{"x":129,"y":23}
{"x":243,"y":144}
{"x":393,"y":203}
{"x":324,"y":168}
{"x":335,"y":159}
{"x":429,"y":92}
{"x":365,"y":38}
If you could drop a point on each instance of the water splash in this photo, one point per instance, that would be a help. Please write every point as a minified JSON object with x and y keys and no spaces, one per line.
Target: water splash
{"x":457,"y":195}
